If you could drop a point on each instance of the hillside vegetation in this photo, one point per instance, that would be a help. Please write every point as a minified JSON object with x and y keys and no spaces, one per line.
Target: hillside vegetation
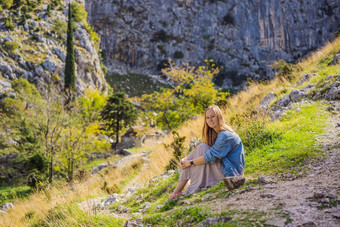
{"x":279,"y":148}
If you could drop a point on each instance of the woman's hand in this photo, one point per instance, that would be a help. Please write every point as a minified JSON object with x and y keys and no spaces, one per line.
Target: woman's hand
{"x":184,"y":163}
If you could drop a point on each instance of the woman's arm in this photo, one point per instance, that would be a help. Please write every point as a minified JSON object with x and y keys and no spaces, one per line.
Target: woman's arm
{"x":185,"y":163}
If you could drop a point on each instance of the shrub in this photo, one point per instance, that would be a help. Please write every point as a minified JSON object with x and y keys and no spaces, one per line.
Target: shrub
{"x":179,"y":149}
{"x":12,"y":106}
{"x":178,"y":55}
{"x":38,"y":161}
{"x":36,"y":180}
{"x":23,"y":20}
{"x":79,"y":14}
{"x":228,"y":19}
{"x":284,"y":69}
{"x":163,"y":64}
{"x":337,"y":33}
{"x":93,"y":35}
{"x":22,"y":86}
{"x":59,"y":28}
{"x":6,"y":4}
{"x":161,"y":49}
{"x":159,"y":36}
{"x":110,"y":190}
{"x":11,"y":46}
{"x":8,"y":23}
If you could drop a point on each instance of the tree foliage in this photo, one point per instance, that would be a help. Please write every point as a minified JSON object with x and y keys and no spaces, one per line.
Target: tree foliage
{"x":45,"y":139}
{"x":118,"y":113}
{"x":70,"y":69}
{"x":192,"y":93}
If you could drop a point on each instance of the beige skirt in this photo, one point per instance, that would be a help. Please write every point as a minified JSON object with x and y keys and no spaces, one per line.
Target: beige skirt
{"x":202,"y":176}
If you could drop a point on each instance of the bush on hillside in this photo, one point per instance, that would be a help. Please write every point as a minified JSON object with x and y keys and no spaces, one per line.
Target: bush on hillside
{"x":178,"y":55}
{"x":160,"y":36}
{"x":93,"y":35}
{"x":284,"y":69}
{"x":11,"y":46}
{"x":6,"y":4}
{"x":79,"y":14}
{"x":8,"y":23}
{"x":337,"y":33}
{"x":22,"y":86}
{"x":228,"y":19}
{"x":12,"y":106}
{"x":179,"y":150}
{"x":59,"y":28}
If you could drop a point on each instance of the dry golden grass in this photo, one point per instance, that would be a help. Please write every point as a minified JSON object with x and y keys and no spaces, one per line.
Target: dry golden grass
{"x":244,"y":102}
{"x":41,"y":202}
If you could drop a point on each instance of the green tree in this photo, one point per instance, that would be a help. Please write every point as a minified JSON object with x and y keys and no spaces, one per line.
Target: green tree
{"x":171,"y":111}
{"x":118,"y":112}
{"x":70,"y":70}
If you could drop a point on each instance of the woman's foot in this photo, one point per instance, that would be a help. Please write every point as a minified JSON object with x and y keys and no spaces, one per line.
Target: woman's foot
{"x":173,"y":196}
{"x":234,"y":182}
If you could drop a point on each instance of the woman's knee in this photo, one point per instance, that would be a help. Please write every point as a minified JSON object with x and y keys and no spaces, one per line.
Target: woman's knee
{"x":203,"y":146}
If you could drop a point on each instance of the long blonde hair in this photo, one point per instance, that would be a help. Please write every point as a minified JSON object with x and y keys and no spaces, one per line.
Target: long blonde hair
{"x":209,"y":135}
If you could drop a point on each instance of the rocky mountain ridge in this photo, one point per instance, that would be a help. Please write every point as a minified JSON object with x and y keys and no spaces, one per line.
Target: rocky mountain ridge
{"x":39,"y":52}
{"x":245,"y":36}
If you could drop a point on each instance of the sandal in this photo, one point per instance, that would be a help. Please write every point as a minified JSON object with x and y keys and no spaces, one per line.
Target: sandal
{"x":234,"y":182}
{"x":173,"y":196}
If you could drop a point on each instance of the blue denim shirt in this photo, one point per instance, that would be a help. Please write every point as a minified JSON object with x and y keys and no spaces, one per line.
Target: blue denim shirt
{"x":228,"y":147}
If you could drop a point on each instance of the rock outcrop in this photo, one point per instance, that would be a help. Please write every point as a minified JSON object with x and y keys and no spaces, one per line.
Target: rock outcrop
{"x":40,"y":55}
{"x":246,"y":36}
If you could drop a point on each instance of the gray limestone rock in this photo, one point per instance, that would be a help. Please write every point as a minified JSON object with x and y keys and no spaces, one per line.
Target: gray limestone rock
{"x":267,"y":100}
{"x":7,"y":206}
{"x":284,"y":101}
{"x":215,"y":220}
{"x":267,"y":195}
{"x":110,"y":199}
{"x":50,"y":65}
{"x":98,"y":168}
{"x":297,"y":95}
{"x":39,"y":70}
{"x":336,"y":59}
{"x":246,"y":36}
{"x":5,"y":68}
{"x":334,"y":91}
{"x":82,"y":35}
{"x":279,"y":222}
{"x":309,"y":224}
{"x":262,"y":179}
{"x":304,"y":78}
{"x":125,"y":152}
{"x":60,"y":53}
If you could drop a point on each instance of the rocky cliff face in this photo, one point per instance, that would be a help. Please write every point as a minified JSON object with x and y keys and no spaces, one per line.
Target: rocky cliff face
{"x":245,"y":35}
{"x":40,"y":55}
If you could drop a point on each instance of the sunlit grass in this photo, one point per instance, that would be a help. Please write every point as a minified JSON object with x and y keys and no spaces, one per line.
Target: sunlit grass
{"x":296,"y":145}
{"x":10,"y":193}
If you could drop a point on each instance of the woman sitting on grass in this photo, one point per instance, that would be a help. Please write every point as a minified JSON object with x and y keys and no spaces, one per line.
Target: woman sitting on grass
{"x":220,"y":157}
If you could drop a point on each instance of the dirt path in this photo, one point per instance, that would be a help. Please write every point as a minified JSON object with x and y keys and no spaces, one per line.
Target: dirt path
{"x":312,"y":200}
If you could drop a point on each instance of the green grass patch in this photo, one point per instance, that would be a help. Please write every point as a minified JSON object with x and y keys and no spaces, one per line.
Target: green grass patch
{"x":178,"y":217}
{"x":296,"y":143}
{"x":134,"y":84}
{"x":155,"y":192}
{"x":95,"y":162}
{"x":11,"y":193}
